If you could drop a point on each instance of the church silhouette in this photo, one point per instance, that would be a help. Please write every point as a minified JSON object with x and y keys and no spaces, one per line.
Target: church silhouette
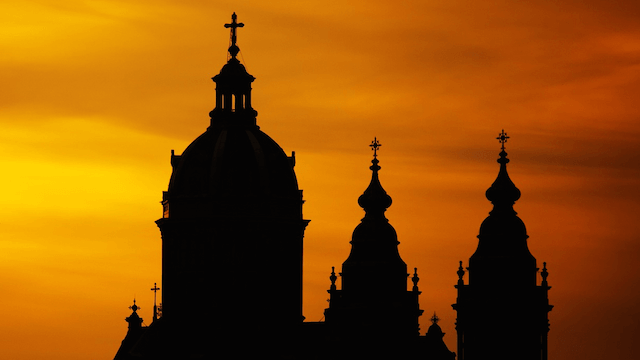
{"x":232,"y":231}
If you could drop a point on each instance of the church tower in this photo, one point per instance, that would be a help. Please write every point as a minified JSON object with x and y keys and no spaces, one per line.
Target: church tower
{"x":232,"y":231}
{"x":374,"y":307}
{"x":502,"y":311}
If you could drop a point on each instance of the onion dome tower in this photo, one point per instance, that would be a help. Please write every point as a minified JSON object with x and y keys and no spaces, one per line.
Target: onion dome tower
{"x":232,"y":227}
{"x":374,"y":305}
{"x":502,"y":312}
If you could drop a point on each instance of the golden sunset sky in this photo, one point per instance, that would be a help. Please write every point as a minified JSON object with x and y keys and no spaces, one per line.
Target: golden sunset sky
{"x":96,"y":94}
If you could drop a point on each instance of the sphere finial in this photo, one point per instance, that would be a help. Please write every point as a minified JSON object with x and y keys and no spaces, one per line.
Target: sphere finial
{"x":134,"y":307}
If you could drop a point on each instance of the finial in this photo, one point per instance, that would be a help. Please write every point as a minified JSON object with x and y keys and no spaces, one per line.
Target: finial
{"x":460,"y":274}
{"x":333,"y":278}
{"x":502,"y":137}
{"x":503,"y":191}
{"x":234,"y":49}
{"x":435,"y":318}
{"x":374,"y":196}
{"x":415,"y":279}
{"x":375,"y":144}
{"x":134,"y":307}
{"x":544,"y":274}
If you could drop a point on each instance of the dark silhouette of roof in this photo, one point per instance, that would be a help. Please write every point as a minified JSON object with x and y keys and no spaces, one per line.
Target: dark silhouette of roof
{"x":236,"y":219}
{"x":502,"y":284}
{"x":234,"y":161}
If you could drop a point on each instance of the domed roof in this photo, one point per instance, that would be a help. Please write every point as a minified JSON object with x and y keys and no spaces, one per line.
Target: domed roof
{"x":434,"y":329}
{"x":502,"y":235}
{"x":234,"y":161}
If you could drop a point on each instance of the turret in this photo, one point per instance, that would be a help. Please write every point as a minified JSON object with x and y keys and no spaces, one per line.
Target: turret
{"x":374,"y":302}
{"x":502,"y":312}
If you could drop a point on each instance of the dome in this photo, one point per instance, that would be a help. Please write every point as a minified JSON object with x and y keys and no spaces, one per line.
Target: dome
{"x":503,"y":226}
{"x":435,"y":330}
{"x":233,"y":169}
{"x":236,"y":161}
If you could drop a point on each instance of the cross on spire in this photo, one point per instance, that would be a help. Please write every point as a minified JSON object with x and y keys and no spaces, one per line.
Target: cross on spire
{"x":375,"y":144}
{"x":502,"y":137}
{"x":155,"y":289}
{"x":234,"y":49}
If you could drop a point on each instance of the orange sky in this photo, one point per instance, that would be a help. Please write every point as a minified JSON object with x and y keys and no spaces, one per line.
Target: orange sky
{"x":95,"y":94}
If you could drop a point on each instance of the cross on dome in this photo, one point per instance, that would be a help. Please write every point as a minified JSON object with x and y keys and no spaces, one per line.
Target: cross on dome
{"x":155,"y":289}
{"x":234,"y":49}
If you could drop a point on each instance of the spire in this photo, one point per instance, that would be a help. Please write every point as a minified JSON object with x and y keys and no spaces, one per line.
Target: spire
{"x":503,"y":193}
{"x":234,"y":49}
{"x":374,"y":302}
{"x":502,"y":254}
{"x":374,"y":200}
{"x":374,"y":257}
{"x":155,"y":289}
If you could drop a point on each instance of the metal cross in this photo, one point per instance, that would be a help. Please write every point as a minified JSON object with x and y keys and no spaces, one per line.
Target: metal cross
{"x":155,"y":289}
{"x":502,"y":137}
{"x":375,"y":144}
{"x":234,"y":24}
